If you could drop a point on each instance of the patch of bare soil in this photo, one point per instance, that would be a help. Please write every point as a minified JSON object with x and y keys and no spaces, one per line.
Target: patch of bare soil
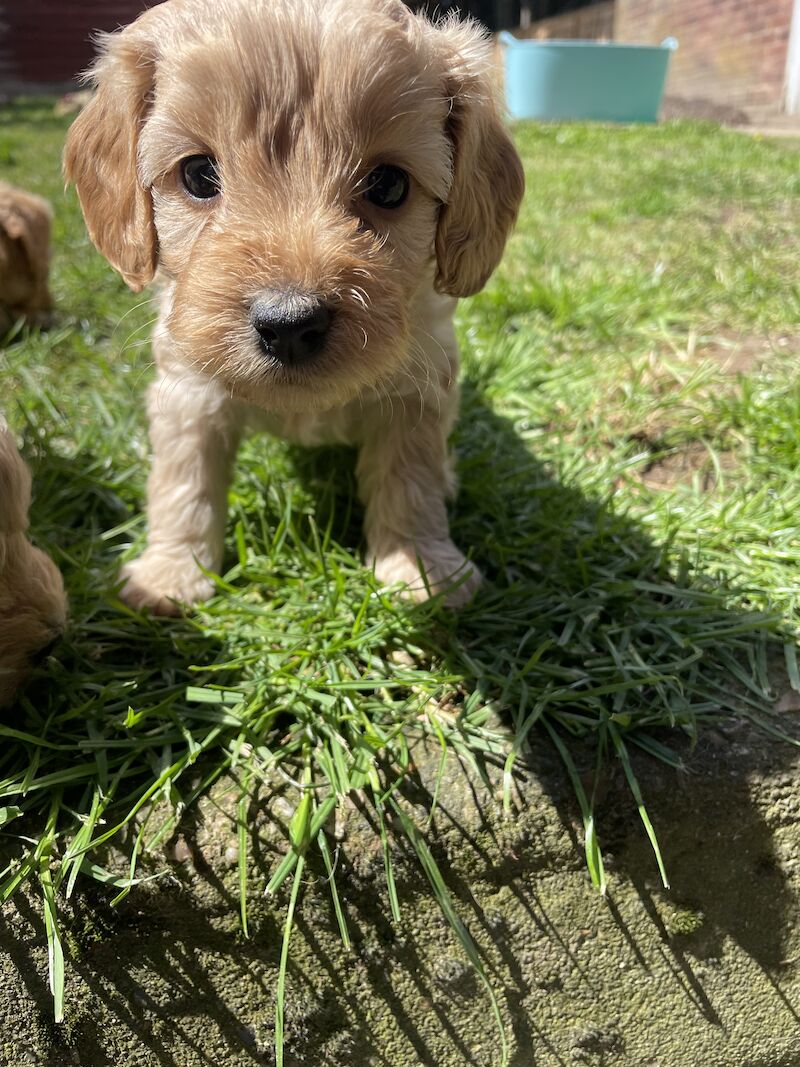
{"x":744,"y":354}
{"x":689,"y":465}
{"x":731,"y":354}
{"x":678,"y":107}
{"x":704,"y":973}
{"x":692,"y":463}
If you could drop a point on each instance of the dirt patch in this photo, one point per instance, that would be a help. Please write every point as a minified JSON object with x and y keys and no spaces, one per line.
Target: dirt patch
{"x":707,"y":972}
{"x":679,"y":107}
{"x":726,"y":355}
{"x":733,"y":355}
{"x":693,"y":464}
{"x":743,"y":354}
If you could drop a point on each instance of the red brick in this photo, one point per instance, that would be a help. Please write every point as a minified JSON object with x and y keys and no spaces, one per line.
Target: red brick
{"x":730,"y":50}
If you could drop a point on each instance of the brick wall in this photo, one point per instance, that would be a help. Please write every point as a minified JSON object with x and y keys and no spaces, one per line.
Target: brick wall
{"x":48,"y":42}
{"x":732,"y":52}
{"x":588,"y":23}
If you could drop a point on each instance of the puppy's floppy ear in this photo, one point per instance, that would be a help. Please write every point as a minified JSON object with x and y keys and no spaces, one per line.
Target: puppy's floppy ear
{"x":488,"y":181}
{"x":101,"y":155}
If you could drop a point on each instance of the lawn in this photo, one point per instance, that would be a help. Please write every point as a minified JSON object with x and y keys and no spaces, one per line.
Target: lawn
{"x":627,"y":450}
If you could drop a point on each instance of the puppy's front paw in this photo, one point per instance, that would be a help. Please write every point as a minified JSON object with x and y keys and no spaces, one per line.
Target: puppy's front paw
{"x":161,"y":582}
{"x":446,"y":570}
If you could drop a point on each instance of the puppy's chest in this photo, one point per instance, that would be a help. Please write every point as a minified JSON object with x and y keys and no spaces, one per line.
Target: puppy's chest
{"x":335,"y":427}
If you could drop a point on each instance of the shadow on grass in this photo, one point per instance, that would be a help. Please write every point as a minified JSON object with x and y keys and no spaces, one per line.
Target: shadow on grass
{"x":581,"y":622}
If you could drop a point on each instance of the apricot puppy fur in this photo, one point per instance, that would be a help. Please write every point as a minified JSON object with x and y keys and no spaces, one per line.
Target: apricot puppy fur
{"x":24,"y":256}
{"x":33,"y":607}
{"x":315,"y":184}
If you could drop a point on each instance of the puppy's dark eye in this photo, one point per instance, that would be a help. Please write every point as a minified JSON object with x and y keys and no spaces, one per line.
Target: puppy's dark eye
{"x":387,"y":186}
{"x":200,"y":177}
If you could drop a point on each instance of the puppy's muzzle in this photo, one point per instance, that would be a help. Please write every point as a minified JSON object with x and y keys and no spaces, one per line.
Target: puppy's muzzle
{"x":291,"y":325}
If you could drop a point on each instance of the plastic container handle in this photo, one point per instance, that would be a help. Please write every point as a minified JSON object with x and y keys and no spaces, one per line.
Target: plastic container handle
{"x":506,"y":38}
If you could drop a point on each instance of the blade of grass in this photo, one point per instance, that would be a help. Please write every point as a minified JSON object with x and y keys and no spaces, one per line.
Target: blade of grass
{"x":330,"y":868}
{"x":443,"y":898}
{"x":242,"y":831}
{"x":633,"y":783}
{"x":280,"y":993}
{"x":55,"y":951}
{"x":594,"y":857}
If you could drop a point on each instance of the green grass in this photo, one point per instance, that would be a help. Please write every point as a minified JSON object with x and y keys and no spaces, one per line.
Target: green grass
{"x":624,"y":602}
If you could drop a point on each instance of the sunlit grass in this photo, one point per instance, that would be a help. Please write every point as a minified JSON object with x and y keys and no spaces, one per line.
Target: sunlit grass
{"x":614,"y":608}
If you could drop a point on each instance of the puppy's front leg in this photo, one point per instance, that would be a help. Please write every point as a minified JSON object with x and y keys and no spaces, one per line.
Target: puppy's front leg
{"x":194,"y":429}
{"x":404,"y":477}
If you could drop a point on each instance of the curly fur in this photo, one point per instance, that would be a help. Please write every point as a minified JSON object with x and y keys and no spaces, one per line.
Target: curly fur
{"x":24,"y":256}
{"x":32,"y":600}
{"x":298,"y":103}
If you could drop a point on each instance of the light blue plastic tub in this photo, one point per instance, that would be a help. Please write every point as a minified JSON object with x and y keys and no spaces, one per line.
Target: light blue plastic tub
{"x":585,"y":79}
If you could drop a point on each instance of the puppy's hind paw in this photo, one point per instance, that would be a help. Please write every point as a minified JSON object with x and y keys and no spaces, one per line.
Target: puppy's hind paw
{"x":446,"y":570}
{"x":160,"y":583}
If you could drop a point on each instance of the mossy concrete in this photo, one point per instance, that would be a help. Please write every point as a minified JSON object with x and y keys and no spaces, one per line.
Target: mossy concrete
{"x":706,"y":974}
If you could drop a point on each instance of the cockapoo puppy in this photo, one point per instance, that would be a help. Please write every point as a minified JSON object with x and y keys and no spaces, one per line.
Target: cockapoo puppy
{"x":33,"y":606}
{"x":315,"y":185}
{"x":24,"y":256}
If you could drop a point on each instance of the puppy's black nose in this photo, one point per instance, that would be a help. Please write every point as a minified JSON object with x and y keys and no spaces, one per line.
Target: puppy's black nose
{"x":291,"y":325}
